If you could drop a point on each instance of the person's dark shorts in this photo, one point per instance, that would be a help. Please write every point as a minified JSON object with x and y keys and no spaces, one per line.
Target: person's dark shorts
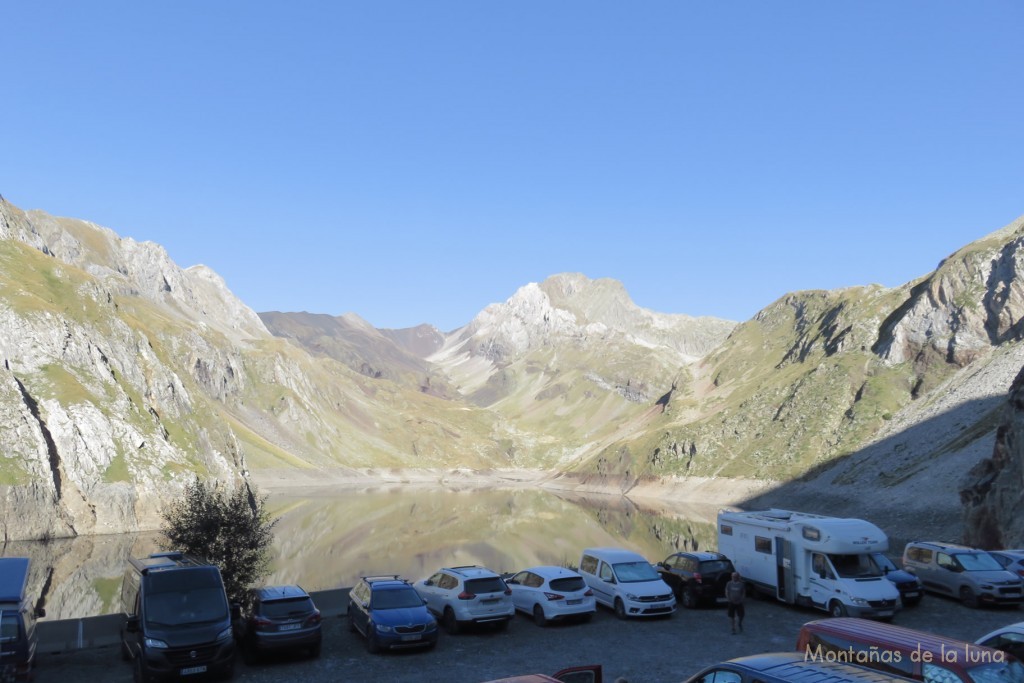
{"x":736,"y":610}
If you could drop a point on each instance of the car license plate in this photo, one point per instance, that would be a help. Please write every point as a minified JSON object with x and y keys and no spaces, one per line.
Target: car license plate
{"x":289,"y":627}
{"x":490,"y":601}
{"x":193,"y":670}
{"x":412,"y":637}
{"x":885,"y":613}
{"x":573,"y":602}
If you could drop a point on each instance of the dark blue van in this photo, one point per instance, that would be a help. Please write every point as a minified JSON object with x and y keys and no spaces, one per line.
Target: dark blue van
{"x":177,"y":619}
{"x":17,"y":620}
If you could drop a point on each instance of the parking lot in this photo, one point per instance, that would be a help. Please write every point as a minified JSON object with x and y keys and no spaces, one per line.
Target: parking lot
{"x":653,"y":651}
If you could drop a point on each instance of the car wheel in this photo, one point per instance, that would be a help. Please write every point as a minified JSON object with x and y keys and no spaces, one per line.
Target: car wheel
{"x":837,"y":609}
{"x":141,"y":672}
{"x":689,"y":599}
{"x":968,"y":597}
{"x":372,"y":646}
{"x":620,"y":609}
{"x":538,"y":616}
{"x":451,"y":624}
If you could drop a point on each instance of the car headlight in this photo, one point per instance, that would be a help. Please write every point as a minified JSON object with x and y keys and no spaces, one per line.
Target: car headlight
{"x":225,"y":634}
{"x":987,"y":587}
{"x":631,"y":596}
{"x":432,"y":624}
{"x":156,"y":644}
{"x":385,"y":629}
{"x":859,"y":601}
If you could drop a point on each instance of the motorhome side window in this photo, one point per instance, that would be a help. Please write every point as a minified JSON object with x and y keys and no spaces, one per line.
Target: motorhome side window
{"x":726,"y":529}
{"x":588,"y":564}
{"x":811,"y":534}
{"x":763,"y":545}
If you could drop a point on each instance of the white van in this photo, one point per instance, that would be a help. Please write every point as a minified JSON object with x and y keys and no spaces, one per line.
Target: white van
{"x":626,"y":582}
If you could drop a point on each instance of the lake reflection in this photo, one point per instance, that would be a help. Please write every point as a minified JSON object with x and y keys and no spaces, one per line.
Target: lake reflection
{"x":329,"y":539}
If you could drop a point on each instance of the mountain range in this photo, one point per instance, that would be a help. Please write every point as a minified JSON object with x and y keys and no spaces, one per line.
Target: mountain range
{"x":124,"y":375}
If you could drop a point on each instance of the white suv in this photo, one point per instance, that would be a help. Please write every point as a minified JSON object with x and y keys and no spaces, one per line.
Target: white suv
{"x":462,"y":595}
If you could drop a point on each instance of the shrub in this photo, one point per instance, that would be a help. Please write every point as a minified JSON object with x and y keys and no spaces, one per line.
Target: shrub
{"x":232,"y":530}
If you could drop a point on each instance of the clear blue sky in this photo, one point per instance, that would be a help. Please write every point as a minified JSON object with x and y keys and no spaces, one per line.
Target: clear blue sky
{"x":415,"y":161}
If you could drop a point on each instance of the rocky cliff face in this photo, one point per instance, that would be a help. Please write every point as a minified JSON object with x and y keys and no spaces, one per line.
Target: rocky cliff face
{"x":993,"y":492}
{"x":122,"y":376}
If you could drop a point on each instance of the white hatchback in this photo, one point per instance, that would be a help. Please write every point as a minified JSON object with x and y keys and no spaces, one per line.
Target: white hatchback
{"x":551,"y":593}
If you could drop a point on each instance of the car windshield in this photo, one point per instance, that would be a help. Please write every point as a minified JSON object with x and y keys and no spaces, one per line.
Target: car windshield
{"x":715,"y":566}
{"x":491,"y":584}
{"x":186,"y":596}
{"x":855,"y":566}
{"x":277,"y":609}
{"x":978,"y":562}
{"x":998,"y":672}
{"x":568,"y":584}
{"x":633,"y":572}
{"x":884,"y":562}
{"x":396,"y":599}
{"x":195,"y":606}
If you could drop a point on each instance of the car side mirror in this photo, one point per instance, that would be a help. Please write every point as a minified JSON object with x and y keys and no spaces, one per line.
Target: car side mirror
{"x":132,"y":625}
{"x":428,"y":582}
{"x":365,"y":604}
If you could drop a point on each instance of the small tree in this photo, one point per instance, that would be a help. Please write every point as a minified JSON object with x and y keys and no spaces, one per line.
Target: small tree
{"x":232,"y":530}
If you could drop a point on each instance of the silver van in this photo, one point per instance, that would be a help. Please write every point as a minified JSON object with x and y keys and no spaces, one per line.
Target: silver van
{"x":17,"y":620}
{"x":626,"y":582}
{"x":972,"y":575}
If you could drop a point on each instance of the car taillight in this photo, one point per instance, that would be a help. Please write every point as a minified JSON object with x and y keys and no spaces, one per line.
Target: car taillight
{"x":589,"y":593}
{"x":554,"y":596}
{"x":314,"y":618}
{"x":696,"y":577}
{"x":260,"y":622}
{"x":466,"y":595}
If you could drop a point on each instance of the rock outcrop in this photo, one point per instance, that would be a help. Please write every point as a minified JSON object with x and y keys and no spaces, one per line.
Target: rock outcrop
{"x":993,"y":492}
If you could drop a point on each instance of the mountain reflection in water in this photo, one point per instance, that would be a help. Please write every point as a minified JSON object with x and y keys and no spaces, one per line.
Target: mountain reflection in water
{"x":329,"y":539}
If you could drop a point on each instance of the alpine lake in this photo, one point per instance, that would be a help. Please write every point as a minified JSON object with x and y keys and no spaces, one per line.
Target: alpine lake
{"x":328,"y":538}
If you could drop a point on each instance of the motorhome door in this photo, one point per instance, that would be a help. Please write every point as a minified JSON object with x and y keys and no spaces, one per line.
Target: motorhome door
{"x":784,"y":582}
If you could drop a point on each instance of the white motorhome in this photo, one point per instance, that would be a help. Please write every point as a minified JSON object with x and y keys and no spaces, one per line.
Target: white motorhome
{"x":813,"y":560}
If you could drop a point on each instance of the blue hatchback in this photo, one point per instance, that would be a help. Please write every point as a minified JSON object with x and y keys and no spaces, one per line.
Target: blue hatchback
{"x":389,"y":612}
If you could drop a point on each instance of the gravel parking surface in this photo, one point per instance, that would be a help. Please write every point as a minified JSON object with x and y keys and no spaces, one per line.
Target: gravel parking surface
{"x":641,"y":651}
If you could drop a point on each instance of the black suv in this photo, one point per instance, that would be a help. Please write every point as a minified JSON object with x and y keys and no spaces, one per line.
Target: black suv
{"x":696,"y":577}
{"x":279,"y":618}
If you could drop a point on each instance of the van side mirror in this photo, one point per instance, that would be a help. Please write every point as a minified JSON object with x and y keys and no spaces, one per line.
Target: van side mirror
{"x":428,"y":582}
{"x":132,"y":625}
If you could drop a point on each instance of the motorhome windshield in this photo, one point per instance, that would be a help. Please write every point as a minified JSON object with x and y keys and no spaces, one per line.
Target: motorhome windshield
{"x":855,"y":566}
{"x":634,"y":572}
{"x":179,"y":598}
{"x":978,"y":562}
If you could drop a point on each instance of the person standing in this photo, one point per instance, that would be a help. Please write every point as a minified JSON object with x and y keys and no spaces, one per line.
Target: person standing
{"x":735,"y":594}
